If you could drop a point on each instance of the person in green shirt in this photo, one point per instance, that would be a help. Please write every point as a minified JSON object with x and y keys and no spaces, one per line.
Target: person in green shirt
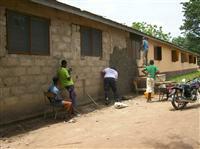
{"x":150,"y":71}
{"x":64,"y":75}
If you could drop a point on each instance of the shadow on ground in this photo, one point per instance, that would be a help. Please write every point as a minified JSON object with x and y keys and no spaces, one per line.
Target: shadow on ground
{"x":25,"y":126}
{"x":188,"y":107}
{"x":175,"y":143}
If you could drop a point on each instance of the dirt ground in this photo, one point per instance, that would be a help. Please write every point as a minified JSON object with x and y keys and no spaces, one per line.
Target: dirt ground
{"x":140,"y":125}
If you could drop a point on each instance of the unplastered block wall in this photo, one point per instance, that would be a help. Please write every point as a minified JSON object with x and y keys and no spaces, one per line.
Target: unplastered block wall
{"x":87,"y":70}
{"x":23,"y":78}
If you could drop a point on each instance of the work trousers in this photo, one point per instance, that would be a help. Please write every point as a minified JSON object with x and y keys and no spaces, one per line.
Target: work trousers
{"x":72,"y":94}
{"x":110,"y":83}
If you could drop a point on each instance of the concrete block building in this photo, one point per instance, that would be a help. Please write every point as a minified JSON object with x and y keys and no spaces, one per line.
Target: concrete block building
{"x":35,"y":35}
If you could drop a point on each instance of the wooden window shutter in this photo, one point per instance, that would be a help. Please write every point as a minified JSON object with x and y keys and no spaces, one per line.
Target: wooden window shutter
{"x":18,"y":32}
{"x":39,"y":36}
{"x":158,"y":53}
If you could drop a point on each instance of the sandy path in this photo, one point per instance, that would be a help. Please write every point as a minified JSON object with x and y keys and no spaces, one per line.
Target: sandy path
{"x":141,"y":125}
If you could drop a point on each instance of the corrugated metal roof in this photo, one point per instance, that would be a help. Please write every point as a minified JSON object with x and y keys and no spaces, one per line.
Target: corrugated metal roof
{"x":73,"y":10}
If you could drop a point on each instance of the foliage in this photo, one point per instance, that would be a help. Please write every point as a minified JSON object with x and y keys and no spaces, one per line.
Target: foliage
{"x":191,"y":25}
{"x":179,"y":41}
{"x":152,"y":30}
{"x":188,"y":76}
{"x":192,"y":17}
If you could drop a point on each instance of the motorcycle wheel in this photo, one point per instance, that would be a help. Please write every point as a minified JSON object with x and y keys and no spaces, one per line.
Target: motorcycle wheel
{"x":177,"y":103}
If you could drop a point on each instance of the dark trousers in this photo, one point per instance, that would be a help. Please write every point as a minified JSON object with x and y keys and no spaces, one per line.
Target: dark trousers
{"x":72,"y":94}
{"x":110,"y":83}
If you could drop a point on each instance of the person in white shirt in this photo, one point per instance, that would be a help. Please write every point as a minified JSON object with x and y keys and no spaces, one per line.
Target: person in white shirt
{"x":110,"y":76}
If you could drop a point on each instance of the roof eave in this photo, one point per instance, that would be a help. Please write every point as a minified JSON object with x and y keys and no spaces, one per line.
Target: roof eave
{"x":94,"y":17}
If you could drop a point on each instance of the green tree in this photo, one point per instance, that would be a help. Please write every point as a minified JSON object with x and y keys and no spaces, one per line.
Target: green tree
{"x":179,"y":41}
{"x":152,"y":30}
{"x":188,"y":42}
{"x":191,"y":25}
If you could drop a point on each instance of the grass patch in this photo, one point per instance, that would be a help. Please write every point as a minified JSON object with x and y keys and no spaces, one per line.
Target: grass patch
{"x":187,"y":76}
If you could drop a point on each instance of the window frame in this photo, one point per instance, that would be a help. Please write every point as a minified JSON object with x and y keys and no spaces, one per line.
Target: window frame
{"x":195,"y":60}
{"x":191,"y":59}
{"x":174,"y":55}
{"x":29,"y":51}
{"x":156,"y":56}
{"x":91,"y":39}
{"x":183,"y":57}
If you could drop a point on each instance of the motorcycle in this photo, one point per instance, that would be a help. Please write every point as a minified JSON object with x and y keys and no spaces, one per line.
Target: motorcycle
{"x":185,"y":93}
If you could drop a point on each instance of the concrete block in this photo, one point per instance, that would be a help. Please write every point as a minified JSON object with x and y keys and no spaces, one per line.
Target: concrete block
{"x":66,"y":39}
{"x":96,"y":69}
{"x":33,"y":88}
{"x":12,"y":100}
{"x":3,"y":61}
{"x":55,"y":39}
{"x":25,"y":97}
{"x":47,"y":70}
{"x":67,"y":55}
{"x":18,"y":90}
{"x":34,"y":70}
{"x":56,"y":54}
{"x":1,"y":82}
{"x":18,"y":71}
{"x":79,"y":83}
{"x":53,"y":62}
{"x":26,"y":61}
{"x":40,"y":79}
{"x":87,"y":71}
{"x":23,"y":80}
{"x":75,"y":28}
{"x":2,"y":50}
{"x":12,"y":61}
{"x":40,"y":62}
{"x":62,"y":46}
{"x":11,"y":81}
{"x":4,"y":92}
{"x":92,"y":90}
{"x":45,"y":86}
{"x":3,"y":71}
{"x":2,"y":20}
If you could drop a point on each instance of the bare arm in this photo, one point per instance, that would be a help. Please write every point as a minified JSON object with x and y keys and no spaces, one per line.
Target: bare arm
{"x":158,"y":72}
{"x":102,"y":73}
{"x":145,"y":72}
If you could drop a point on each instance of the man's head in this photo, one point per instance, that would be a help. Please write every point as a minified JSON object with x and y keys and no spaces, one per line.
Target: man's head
{"x":64,"y":63}
{"x":151,"y":62}
{"x":112,"y":67}
{"x":145,"y":38}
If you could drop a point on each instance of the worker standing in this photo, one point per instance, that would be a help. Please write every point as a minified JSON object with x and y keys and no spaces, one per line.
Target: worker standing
{"x":150,"y":71}
{"x":145,"y":48}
